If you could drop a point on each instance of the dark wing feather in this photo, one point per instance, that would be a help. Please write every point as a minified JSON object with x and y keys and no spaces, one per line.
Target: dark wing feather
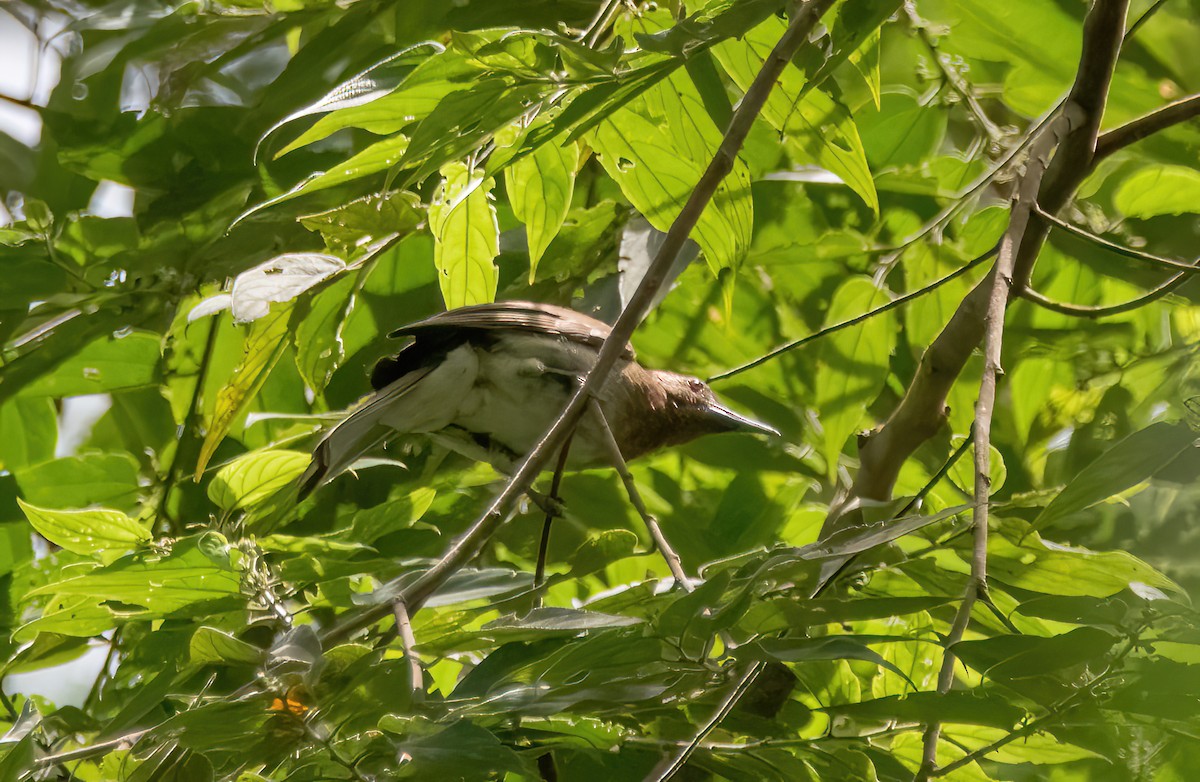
{"x":518,"y":315}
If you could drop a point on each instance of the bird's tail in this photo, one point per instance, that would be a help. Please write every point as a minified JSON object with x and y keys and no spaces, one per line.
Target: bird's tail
{"x":356,"y":434}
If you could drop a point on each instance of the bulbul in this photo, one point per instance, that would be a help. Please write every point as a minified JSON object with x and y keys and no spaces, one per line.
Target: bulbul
{"x":487,"y":381}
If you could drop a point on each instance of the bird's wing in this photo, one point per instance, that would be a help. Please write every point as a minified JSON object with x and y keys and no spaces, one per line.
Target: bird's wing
{"x":424,"y":399}
{"x":520,"y":316}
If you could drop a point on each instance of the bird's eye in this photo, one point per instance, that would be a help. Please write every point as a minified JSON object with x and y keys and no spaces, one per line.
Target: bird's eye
{"x":695,"y":384}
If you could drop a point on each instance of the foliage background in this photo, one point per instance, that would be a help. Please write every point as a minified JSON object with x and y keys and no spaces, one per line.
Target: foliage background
{"x":336,"y":170}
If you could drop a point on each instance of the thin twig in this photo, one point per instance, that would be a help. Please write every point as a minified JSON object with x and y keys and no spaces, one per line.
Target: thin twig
{"x":92,"y":750}
{"x":952,"y":76}
{"x":539,"y":571}
{"x":674,"y":563}
{"x":1154,"y":260}
{"x":681,"y":757}
{"x":825,"y":332}
{"x":1108,"y":310}
{"x":465,"y":547}
{"x":1133,"y":131}
{"x":408,"y":643}
{"x":1079,"y":120}
{"x":94,"y":692}
{"x":171,"y":477}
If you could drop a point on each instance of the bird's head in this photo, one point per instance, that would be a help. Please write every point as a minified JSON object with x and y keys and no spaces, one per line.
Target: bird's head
{"x":696,"y":411}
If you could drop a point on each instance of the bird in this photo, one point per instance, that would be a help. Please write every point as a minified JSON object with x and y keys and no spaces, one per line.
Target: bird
{"x":488,"y":380}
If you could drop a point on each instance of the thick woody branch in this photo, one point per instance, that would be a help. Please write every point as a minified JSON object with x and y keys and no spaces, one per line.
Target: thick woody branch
{"x":922,"y":411}
{"x":804,"y":19}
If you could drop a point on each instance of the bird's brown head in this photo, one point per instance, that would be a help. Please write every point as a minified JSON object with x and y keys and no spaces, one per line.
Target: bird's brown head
{"x":680,"y":409}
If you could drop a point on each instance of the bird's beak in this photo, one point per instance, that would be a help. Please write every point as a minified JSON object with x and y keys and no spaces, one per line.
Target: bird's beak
{"x":736,"y":422}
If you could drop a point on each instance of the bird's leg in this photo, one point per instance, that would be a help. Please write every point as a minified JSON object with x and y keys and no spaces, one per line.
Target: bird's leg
{"x":539,"y":573}
{"x":635,"y":498}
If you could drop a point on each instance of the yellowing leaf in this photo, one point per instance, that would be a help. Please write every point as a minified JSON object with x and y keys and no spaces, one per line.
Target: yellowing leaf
{"x":87,"y":531}
{"x":820,"y":126}
{"x":466,"y":237}
{"x":253,"y":477}
{"x":263,"y":345}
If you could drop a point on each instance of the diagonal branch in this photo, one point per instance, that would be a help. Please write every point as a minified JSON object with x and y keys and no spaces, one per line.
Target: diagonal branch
{"x":1079,"y":123}
{"x":845,"y":324}
{"x":462,"y":550}
{"x":1001,"y":284}
{"x":922,"y":410}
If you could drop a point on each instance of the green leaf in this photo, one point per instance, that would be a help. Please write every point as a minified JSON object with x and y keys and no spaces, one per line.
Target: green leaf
{"x":107,"y":364}
{"x":30,"y":427}
{"x":417,"y":96}
{"x":986,"y":707}
{"x":253,"y":477}
{"x":1159,"y":190}
{"x":963,"y":471}
{"x":901,"y":132}
{"x":462,"y":218}
{"x":210,"y":646}
{"x":380,"y":156}
{"x":1005,"y":657}
{"x":148,"y":585}
{"x":1038,"y":748}
{"x":819,"y":126}
{"x":363,"y":222}
{"x":550,"y":620}
{"x":539,"y":188}
{"x":462,"y":121}
{"x":838,"y":647}
{"x":657,"y":147}
{"x":87,"y":531}
{"x":370,"y":524}
{"x":601,"y":549}
{"x":463,"y":750}
{"x":264,"y":343}
{"x":854,"y":364}
{"x":365,"y":88}
{"x":1020,"y":558}
{"x":80,"y":481}
{"x":1126,"y":464}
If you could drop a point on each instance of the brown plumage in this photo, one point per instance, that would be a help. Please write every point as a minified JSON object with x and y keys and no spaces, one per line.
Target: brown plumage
{"x":487,"y":381}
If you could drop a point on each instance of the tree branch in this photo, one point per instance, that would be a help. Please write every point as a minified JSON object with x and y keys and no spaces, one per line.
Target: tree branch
{"x":804,"y":19}
{"x":998,"y":297}
{"x":921,"y":412}
{"x":1050,"y":186}
{"x":1118,"y":138}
